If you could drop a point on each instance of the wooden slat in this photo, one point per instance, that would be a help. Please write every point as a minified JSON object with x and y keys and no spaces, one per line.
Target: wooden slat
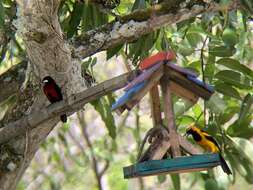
{"x":127,"y":96}
{"x":143,"y":76}
{"x":181,"y":70}
{"x":186,"y":83}
{"x":183,"y":92}
{"x":176,"y":165}
{"x":159,"y":57}
{"x":152,"y":81}
{"x":155,"y":106}
{"x":169,"y":116}
{"x":156,"y":150}
{"x":188,"y":147}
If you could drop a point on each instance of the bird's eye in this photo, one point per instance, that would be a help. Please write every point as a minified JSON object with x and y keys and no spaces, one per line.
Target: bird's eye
{"x":45,"y":81}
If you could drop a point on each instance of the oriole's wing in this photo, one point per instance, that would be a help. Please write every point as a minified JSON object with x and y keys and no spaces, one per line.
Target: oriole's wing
{"x":210,"y":138}
{"x":204,"y":132}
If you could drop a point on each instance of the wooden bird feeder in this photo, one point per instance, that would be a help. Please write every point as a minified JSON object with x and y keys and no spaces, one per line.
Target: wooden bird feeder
{"x":160,"y":70}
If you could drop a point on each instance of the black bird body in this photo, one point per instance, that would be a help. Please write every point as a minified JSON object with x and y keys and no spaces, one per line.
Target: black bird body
{"x":53,"y":93}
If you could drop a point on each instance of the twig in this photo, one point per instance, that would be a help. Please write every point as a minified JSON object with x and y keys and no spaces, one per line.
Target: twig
{"x":81,"y":148}
{"x":203,"y":73}
{"x":96,"y":171}
{"x":106,"y":166}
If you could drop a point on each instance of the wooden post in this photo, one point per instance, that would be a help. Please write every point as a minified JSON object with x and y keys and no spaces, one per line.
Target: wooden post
{"x":155,"y":106}
{"x":169,"y":116}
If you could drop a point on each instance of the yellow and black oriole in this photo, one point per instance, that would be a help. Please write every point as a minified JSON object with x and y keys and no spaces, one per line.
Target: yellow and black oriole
{"x":208,"y":143}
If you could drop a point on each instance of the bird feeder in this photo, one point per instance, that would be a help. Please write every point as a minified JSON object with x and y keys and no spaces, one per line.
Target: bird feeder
{"x":155,"y":70}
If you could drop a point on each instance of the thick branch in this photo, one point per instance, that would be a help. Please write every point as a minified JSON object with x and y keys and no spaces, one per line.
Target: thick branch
{"x":141,"y":22}
{"x":73,"y":104}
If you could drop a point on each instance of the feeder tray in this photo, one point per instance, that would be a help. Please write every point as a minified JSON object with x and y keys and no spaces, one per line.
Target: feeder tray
{"x":175,"y":165}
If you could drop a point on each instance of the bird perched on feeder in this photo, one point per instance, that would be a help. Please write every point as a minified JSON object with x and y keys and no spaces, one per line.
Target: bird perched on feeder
{"x":53,"y":93}
{"x":208,"y":143}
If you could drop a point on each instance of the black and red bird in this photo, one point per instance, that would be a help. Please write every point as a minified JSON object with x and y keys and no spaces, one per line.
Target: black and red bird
{"x":53,"y":93}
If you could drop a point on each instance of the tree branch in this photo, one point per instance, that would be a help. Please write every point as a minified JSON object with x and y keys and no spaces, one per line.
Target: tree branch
{"x":141,"y":22}
{"x":74,"y":103}
{"x":94,"y":161}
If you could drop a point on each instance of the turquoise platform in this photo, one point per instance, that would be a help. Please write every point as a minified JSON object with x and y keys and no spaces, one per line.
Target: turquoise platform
{"x":176,"y":165}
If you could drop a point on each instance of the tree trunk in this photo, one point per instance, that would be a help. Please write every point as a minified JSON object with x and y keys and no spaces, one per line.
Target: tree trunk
{"x":49,"y":54}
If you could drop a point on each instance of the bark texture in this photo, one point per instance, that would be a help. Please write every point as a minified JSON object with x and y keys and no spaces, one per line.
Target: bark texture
{"x":49,"y":54}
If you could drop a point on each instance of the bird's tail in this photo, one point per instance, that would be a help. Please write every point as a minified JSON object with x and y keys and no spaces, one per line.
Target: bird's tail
{"x":64,"y":118}
{"x":224,"y":165}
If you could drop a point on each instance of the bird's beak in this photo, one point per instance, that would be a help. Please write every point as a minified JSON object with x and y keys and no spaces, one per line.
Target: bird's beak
{"x":187,"y":133}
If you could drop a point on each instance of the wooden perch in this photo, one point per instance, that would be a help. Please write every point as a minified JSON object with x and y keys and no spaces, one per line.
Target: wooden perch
{"x":169,"y":117}
{"x":73,"y":104}
{"x":155,"y":106}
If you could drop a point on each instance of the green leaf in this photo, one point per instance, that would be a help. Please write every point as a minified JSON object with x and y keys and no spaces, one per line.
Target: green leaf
{"x":238,"y":151}
{"x":141,"y":47}
{"x":247,"y":5}
{"x":92,"y":17}
{"x":185,"y":120}
{"x":229,"y":37}
{"x":176,"y":181}
{"x":185,"y":49}
{"x":235,"y":65}
{"x":222,"y":51}
{"x":241,"y":129}
{"x":227,"y":115}
{"x":210,"y":68}
{"x":161,"y":178}
{"x":113,"y":51}
{"x":139,"y":4}
{"x":2,"y":15}
{"x":245,"y":145}
{"x":193,"y":38}
{"x":234,"y":78}
{"x":216,"y":104}
{"x":180,"y":107}
{"x":211,"y":184}
{"x":104,"y":109}
{"x":246,"y":107}
{"x":75,"y":18}
{"x":227,"y":90}
{"x":197,"y":110}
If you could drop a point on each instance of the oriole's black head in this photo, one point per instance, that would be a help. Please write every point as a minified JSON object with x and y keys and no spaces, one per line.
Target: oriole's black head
{"x":189,"y":131}
{"x":194,"y":131}
{"x":48,"y":80}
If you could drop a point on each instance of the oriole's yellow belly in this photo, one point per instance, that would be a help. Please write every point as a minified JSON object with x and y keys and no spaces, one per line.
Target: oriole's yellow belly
{"x":208,"y":145}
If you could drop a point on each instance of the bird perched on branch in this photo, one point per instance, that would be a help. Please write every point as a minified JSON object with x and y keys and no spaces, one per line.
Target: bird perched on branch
{"x":208,"y":143}
{"x":53,"y":93}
